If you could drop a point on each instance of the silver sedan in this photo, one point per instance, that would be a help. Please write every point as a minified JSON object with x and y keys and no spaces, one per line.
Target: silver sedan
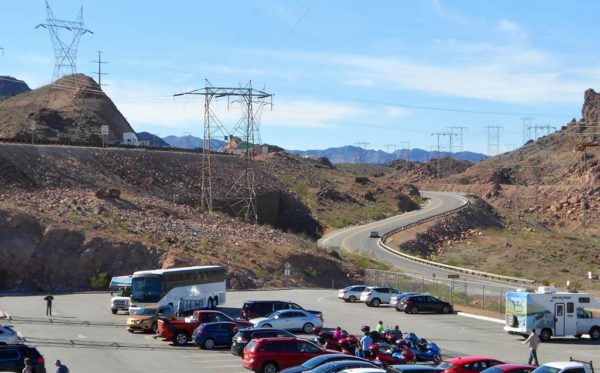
{"x":289,"y":320}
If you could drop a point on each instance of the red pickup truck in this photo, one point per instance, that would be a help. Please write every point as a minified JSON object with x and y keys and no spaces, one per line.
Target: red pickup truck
{"x":180,"y":332}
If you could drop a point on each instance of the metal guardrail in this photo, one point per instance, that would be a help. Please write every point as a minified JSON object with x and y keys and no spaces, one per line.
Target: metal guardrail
{"x":468,"y":271}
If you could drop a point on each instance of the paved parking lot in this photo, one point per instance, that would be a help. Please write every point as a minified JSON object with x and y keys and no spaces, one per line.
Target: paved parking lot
{"x":88,"y":338}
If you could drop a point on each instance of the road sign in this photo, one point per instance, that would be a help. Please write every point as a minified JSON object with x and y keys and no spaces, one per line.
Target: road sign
{"x":287,"y":269}
{"x":287,"y":272}
{"x":453,"y":276}
{"x":104,"y":130}
{"x":33,"y":125}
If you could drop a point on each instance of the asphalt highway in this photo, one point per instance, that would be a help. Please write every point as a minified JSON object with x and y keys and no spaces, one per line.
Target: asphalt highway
{"x":88,"y":338}
{"x":356,"y":239}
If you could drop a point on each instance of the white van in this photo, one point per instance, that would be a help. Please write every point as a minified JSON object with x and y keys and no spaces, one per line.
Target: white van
{"x":551,"y":313}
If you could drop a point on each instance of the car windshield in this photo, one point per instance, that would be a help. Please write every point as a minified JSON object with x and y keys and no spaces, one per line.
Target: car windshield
{"x":316,"y":361}
{"x":445,"y":365}
{"x":492,"y":370}
{"x":146,"y":289}
{"x":546,"y":369}
{"x":145,"y":312}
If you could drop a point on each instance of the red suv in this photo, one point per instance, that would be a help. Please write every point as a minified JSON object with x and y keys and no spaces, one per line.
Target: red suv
{"x":270,"y":355}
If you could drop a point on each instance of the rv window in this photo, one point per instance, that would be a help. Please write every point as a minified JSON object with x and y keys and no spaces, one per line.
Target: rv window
{"x":584,"y":300}
{"x":570,"y":307}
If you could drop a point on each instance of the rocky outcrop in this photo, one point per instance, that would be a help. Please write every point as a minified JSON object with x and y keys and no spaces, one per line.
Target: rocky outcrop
{"x":10,"y":86}
{"x":34,"y":256}
{"x":591,"y":107}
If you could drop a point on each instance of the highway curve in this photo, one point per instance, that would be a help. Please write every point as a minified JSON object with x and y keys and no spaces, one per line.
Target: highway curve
{"x":356,"y":239}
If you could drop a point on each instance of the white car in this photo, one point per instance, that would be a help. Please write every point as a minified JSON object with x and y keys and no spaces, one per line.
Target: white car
{"x":377,"y":295}
{"x":351,"y":293}
{"x":9,"y":336}
{"x":289,"y":320}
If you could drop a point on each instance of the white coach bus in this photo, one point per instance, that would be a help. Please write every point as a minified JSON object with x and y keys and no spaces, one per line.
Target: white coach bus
{"x":199,"y":286}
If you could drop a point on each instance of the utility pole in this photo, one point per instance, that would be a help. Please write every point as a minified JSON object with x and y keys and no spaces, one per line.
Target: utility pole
{"x":100,"y":73}
{"x":240,"y":195}
{"x":362,"y":146}
{"x":457,"y":147}
{"x":406,"y":151}
{"x":493,"y":140}
{"x":527,"y":122}
{"x":65,"y":50}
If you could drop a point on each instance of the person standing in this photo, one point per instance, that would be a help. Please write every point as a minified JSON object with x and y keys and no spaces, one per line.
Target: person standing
{"x":365,"y":343}
{"x":60,"y":368}
{"x":49,"y":298}
{"x":27,"y":368}
{"x":180,"y":307}
{"x":379,"y":328}
{"x":533,"y":341}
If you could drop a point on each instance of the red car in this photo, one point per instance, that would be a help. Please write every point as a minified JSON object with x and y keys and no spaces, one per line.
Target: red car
{"x":468,"y":364}
{"x":510,"y":368}
{"x":270,"y":355}
{"x":180,"y":332}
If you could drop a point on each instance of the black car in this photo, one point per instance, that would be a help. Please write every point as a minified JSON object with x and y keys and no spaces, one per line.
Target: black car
{"x":243,"y":336}
{"x":260,"y":308}
{"x":423,"y":303}
{"x":338,"y":366}
{"x":318,"y":361}
{"x":12,"y":358}
{"x":413,"y":369}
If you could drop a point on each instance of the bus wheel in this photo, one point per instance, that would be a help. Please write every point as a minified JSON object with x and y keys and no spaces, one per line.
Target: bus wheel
{"x":545,"y":335}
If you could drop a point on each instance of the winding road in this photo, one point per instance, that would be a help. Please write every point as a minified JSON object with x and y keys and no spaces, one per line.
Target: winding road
{"x":356,"y":239}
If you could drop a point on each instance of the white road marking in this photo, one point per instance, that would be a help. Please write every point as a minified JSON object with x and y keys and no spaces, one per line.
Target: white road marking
{"x":320,"y":299}
{"x":81,"y":336}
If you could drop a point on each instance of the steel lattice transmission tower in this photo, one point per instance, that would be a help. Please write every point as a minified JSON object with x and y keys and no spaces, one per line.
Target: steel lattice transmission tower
{"x":65,"y":36}
{"x":240,"y":194}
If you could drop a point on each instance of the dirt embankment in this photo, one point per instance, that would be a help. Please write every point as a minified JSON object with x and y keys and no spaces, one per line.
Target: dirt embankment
{"x":56,"y":230}
{"x":428,"y":240}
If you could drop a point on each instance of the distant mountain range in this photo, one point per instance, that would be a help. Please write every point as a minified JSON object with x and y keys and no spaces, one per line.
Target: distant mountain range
{"x":192,"y":142}
{"x":354,"y":154}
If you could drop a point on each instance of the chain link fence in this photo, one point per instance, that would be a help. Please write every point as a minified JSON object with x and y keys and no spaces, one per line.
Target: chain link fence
{"x":486,"y":296}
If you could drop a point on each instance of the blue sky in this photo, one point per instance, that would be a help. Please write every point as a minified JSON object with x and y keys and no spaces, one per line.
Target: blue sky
{"x":342,"y":71}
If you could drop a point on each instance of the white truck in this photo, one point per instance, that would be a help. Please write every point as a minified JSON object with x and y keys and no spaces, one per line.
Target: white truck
{"x":571,"y":366}
{"x":121,"y":285}
{"x":551,"y":313}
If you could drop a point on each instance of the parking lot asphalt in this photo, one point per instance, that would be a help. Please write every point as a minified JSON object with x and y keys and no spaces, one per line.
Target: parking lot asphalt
{"x":85,"y":335}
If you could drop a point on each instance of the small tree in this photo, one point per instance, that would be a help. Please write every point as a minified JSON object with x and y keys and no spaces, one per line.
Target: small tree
{"x":99,"y":280}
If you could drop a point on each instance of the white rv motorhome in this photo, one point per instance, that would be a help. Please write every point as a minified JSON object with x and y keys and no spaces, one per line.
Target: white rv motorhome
{"x":551,"y":313}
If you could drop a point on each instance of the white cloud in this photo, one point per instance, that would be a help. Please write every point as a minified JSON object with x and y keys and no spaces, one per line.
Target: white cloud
{"x":396,"y":112}
{"x":509,"y":27}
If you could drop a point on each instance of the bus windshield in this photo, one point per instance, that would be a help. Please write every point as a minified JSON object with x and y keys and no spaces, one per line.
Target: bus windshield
{"x":146,"y":289}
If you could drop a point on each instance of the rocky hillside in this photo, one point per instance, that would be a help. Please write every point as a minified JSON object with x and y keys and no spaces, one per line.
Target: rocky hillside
{"x":71,"y":109}
{"x":68,"y":213}
{"x":10,"y":86}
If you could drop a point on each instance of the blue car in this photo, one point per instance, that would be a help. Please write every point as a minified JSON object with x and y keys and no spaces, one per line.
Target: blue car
{"x":214,"y":334}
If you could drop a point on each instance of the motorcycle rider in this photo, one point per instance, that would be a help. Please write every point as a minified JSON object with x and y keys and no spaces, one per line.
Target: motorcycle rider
{"x":337,"y":333}
{"x":408,"y":354}
{"x":397,"y":332}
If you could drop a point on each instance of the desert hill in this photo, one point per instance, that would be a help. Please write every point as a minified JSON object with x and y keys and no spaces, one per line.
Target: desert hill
{"x":71,"y":109}
{"x":10,"y":86}
{"x":68,"y":213}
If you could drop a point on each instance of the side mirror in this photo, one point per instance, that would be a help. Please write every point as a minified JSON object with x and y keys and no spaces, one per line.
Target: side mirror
{"x":276,"y":317}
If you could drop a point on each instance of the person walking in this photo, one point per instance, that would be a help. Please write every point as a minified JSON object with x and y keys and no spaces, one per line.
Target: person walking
{"x":180,"y":307}
{"x":60,"y":367}
{"x":27,"y":368}
{"x":533,"y":341}
{"x":49,"y":298}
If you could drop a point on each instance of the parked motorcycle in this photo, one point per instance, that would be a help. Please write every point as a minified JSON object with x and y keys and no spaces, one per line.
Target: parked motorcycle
{"x":426,"y":351}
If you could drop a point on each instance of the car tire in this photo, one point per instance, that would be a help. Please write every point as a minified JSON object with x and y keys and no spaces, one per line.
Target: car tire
{"x":437,"y":358}
{"x":445,"y":310}
{"x":545,"y":335}
{"x":209,"y":344}
{"x":414,"y":309}
{"x":352,"y":299}
{"x":114,"y":311}
{"x":376,"y":302}
{"x":267,"y":326}
{"x":130,"y":330}
{"x":308,"y":328}
{"x":180,"y":338}
{"x":578,"y":336}
{"x":595,"y":333}
{"x":269,"y":367}
{"x":154,"y":328}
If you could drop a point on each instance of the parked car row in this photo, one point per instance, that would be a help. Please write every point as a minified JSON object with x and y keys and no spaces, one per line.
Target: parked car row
{"x":408,"y":302}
